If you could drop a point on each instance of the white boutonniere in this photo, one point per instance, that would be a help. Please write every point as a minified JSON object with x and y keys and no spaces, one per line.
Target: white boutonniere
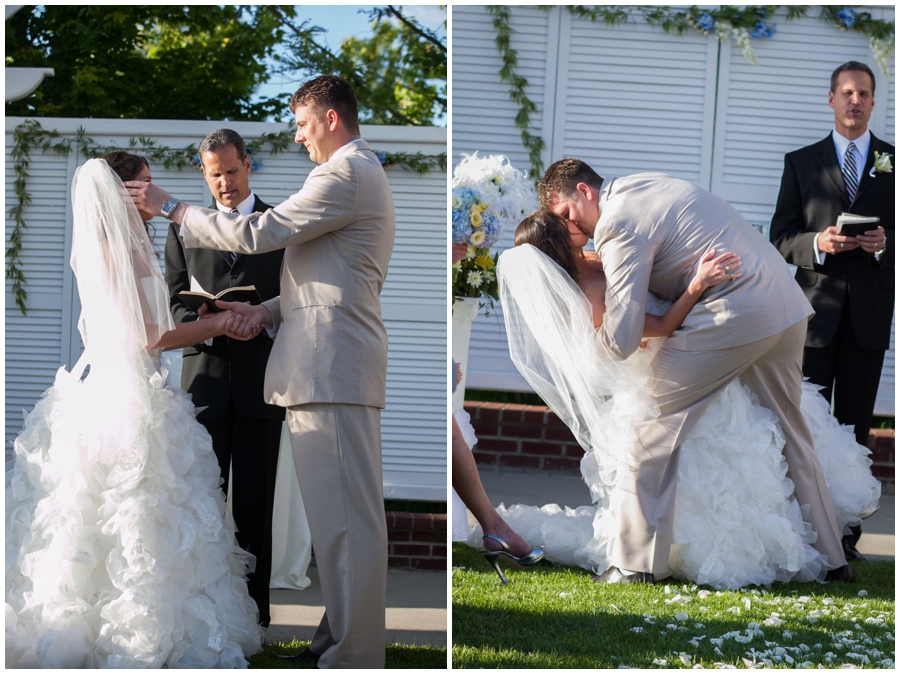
{"x":882,"y":164}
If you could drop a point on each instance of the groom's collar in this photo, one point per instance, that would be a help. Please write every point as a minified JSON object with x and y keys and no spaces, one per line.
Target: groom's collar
{"x":603,"y":194}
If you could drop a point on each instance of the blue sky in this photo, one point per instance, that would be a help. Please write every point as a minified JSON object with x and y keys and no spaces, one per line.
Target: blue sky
{"x":342,"y":21}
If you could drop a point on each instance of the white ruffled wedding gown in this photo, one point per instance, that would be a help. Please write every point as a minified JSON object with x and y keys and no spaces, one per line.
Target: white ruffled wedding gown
{"x":119,"y":549}
{"x":736,"y":521}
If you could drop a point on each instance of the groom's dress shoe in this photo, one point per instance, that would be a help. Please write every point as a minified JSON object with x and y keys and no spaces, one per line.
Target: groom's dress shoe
{"x":851,"y":554}
{"x":615,"y":577}
{"x":843,"y":573}
{"x":304,"y":656}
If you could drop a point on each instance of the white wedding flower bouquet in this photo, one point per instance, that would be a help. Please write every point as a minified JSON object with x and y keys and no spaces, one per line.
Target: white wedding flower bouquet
{"x":489,"y":193}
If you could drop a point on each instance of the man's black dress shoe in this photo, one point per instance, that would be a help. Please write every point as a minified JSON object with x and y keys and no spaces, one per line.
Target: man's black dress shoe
{"x":304,"y":656}
{"x":851,"y":554}
{"x":843,"y":573}
{"x":615,"y":577}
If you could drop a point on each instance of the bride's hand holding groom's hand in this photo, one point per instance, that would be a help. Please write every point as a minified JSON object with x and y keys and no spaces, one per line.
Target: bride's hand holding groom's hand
{"x":247,"y":320}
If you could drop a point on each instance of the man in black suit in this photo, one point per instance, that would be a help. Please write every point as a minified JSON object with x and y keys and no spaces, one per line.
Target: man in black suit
{"x":848,"y":280}
{"x":226,"y":376}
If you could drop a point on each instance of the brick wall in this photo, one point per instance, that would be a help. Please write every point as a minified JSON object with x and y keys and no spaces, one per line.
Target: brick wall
{"x":417,"y":541}
{"x":533,"y":437}
{"x":881,"y":442}
{"x":522,"y":436}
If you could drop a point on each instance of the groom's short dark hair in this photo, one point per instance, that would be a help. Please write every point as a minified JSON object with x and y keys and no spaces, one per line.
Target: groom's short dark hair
{"x":329,"y":92}
{"x":562,"y":176}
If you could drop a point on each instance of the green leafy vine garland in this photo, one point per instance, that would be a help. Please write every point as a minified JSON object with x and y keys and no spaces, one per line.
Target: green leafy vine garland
{"x":742,"y":24}
{"x":30,"y":135}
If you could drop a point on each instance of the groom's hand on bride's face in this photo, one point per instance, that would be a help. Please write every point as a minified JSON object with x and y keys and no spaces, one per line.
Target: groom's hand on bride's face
{"x":147,"y":196}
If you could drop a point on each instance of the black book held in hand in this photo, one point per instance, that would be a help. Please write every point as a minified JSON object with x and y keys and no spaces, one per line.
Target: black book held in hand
{"x":854,"y":225}
{"x":194,"y":299}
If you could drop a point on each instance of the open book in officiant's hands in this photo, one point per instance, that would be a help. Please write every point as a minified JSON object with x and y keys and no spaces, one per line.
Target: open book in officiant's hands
{"x":853,"y":225}
{"x":196,"y":298}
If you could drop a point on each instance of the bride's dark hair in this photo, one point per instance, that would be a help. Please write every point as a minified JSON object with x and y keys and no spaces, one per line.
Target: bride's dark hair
{"x":548,"y":232}
{"x":127,"y":166}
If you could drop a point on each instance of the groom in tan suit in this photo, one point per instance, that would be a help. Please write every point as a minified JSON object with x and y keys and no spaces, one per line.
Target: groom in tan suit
{"x":650,"y":231}
{"x":329,"y":360}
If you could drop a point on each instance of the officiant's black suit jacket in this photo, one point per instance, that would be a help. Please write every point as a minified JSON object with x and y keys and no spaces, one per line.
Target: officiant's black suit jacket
{"x":212,"y":374}
{"x":812,"y":196}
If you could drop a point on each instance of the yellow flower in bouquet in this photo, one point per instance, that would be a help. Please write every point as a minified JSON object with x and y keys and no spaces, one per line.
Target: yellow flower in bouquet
{"x":475,"y":218}
{"x":484,"y":261}
{"x":477,"y":238}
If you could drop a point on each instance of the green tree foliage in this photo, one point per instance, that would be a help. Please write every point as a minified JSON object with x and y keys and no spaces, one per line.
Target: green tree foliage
{"x":399,"y":73}
{"x":145,"y":61}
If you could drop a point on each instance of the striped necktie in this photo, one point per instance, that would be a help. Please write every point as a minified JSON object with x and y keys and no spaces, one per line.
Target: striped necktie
{"x":234,"y":210}
{"x":849,"y":171}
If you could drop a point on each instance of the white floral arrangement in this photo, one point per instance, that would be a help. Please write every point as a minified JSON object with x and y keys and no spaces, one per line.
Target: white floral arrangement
{"x":489,"y":193}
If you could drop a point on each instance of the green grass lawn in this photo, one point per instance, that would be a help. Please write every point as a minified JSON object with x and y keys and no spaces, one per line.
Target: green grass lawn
{"x":397,"y":656}
{"x":555,"y":616}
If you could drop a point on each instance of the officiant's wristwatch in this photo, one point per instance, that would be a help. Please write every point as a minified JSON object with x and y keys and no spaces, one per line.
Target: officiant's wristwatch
{"x":169,"y":207}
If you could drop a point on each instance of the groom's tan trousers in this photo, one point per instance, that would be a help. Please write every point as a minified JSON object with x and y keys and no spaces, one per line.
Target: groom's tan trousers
{"x":683,"y":384}
{"x":337,"y":455}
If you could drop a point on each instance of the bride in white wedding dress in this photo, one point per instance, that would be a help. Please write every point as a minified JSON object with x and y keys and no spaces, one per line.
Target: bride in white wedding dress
{"x":119,"y":549}
{"x":736,"y":521}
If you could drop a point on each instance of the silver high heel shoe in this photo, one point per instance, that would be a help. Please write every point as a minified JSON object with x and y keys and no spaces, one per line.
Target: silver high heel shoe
{"x":523,"y":562}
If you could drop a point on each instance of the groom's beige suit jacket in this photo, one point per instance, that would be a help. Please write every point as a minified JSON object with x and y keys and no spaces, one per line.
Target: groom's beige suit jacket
{"x":332,"y":343}
{"x":653,"y":231}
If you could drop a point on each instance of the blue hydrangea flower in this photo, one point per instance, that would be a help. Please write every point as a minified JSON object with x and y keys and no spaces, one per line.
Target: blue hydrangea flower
{"x":462,"y":200}
{"x":195,"y":160}
{"x":761,"y":30}
{"x":461,"y":229}
{"x":382,"y":157}
{"x":255,"y":164}
{"x":490,"y":225}
{"x":706,"y":21}
{"x":846,"y":17}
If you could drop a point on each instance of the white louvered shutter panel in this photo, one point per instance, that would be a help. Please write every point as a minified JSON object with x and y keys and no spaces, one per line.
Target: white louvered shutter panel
{"x":414,"y":424}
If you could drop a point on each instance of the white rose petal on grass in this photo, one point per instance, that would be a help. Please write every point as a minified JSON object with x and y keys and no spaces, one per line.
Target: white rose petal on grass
{"x":747,"y":603}
{"x":660,"y":662}
{"x":734,"y":609}
{"x":827,"y":601}
{"x":862,"y":593}
{"x":637,"y":630}
{"x":703,"y":594}
{"x":685,"y":658}
{"x":681,"y":616}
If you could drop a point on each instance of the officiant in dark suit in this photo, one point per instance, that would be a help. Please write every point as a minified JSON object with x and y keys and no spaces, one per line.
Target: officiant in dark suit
{"x":226,"y":376}
{"x":848,"y":280}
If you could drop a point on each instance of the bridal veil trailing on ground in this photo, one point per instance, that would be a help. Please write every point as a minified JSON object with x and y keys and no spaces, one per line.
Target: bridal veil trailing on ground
{"x":736,"y":521}
{"x":119,"y":550}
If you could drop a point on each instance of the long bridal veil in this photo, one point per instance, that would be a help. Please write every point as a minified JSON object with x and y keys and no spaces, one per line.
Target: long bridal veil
{"x":123,"y":294}
{"x":553,"y":344}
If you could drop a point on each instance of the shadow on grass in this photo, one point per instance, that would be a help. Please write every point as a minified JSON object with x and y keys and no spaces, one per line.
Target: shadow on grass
{"x":556,"y":616}
{"x":397,"y":656}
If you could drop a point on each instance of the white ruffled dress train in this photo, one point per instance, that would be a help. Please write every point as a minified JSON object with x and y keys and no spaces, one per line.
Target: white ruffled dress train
{"x":736,"y":521}
{"x":121,"y":554}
